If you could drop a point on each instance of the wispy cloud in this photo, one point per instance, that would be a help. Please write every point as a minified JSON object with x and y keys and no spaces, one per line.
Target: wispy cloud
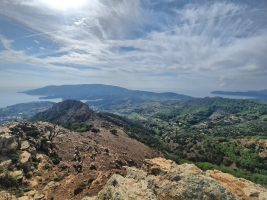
{"x":222,"y":43}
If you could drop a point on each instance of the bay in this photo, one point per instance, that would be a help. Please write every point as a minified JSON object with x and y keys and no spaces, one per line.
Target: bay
{"x":11,"y":96}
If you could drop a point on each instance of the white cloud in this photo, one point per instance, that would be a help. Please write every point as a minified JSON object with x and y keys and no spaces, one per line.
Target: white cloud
{"x":208,"y":39}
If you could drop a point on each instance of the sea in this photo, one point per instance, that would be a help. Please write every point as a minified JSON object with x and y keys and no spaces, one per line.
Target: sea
{"x":12,"y":96}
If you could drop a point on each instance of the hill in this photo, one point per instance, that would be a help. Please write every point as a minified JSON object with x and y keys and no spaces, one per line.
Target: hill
{"x":98,"y":92}
{"x":68,"y":111}
{"x":206,"y":131}
{"x":77,"y":116}
{"x":100,"y":154}
{"x":89,"y":166}
{"x":43,"y":161}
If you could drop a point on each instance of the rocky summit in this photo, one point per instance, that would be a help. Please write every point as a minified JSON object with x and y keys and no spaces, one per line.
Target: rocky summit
{"x":41,"y":161}
{"x":161,"y":179}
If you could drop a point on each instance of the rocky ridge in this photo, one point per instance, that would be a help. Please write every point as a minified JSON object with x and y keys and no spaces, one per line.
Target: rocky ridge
{"x":161,"y":179}
{"x":41,"y":161}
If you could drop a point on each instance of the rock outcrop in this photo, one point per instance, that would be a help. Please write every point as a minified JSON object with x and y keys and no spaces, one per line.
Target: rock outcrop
{"x":23,"y":147}
{"x":162,"y":179}
{"x":244,"y":189}
{"x":8,"y":141}
{"x":43,"y":161}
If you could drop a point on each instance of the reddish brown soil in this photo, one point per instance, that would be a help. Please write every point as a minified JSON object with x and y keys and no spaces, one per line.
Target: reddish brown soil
{"x":104,"y":151}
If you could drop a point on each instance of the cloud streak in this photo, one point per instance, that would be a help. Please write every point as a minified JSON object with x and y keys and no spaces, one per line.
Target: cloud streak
{"x":222,"y":43}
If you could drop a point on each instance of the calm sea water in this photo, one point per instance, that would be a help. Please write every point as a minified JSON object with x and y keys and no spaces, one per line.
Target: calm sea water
{"x":10,"y":97}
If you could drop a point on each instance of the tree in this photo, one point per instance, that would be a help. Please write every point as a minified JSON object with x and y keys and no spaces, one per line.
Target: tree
{"x":54,"y":131}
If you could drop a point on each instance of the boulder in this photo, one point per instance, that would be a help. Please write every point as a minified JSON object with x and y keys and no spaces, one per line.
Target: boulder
{"x":5,"y":164}
{"x":17,"y":174}
{"x":24,"y":157}
{"x":32,"y":195}
{"x":6,"y":196}
{"x":51,"y":185}
{"x":24,"y":198}
{"x":24,"y":145}
{"x":8,"y":143}
{"x":163,"y":179}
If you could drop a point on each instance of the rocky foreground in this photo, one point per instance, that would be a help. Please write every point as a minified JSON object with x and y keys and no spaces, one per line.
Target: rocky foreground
{"x":40,"y":161}
{"x":163,"y":179}
{"x":44,"y":161}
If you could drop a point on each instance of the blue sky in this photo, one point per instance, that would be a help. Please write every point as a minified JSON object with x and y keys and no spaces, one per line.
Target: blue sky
{"x":171,"y":45}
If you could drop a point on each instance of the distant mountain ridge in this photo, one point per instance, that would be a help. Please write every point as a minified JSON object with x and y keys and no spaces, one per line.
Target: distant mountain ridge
{"x":258,"y":94}
{"x":101,"y":92}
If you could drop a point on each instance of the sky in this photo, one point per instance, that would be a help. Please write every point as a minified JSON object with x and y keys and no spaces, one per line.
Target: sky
{"x":159,"y":45}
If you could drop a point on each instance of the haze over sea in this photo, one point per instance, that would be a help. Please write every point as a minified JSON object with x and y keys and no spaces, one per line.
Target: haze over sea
{"x":11,"y":96}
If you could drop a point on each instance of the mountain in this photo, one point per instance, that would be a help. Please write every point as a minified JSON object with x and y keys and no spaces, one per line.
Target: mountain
{"x":96,"y":92}
{"x":102,"y":166}
{"x":260,"y":94}
{"x":40,"y":161}
{"x":101,"y":155}
{"x":68,"y":111}
{"x":206,"y":131}
{"x":77,"y":116}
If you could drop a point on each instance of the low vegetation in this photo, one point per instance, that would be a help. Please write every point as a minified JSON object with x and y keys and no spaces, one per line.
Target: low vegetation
{"x":204,"y":131}
{"x":79,"y":127}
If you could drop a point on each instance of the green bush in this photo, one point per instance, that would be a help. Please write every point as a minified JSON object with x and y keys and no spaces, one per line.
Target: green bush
{"x":79,"y":127}
{"x":241,"y":173}
{"x":15,"y":158}
{"x":244,"y":158}
{"x":55,"y":159}
{"x":8,"y":181}
{"x":114,"y":131}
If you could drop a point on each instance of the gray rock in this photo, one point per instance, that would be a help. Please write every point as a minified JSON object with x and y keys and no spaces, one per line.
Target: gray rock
{"x":159,"y":181}
{"x":8,"y":143}
{"x":24,"y":145}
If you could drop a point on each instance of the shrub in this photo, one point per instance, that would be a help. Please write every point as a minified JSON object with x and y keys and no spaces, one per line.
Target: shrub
{"x":114,"y":132}
{"x":15,"y":158}
{"x":2,"y":169}
{"x":79,"y":189}
{"x":241,"y":173}
{"x":55,"y":159}
{"x":8,"y":181}
{"x":95,"y":130}
{"x":79,"y":127}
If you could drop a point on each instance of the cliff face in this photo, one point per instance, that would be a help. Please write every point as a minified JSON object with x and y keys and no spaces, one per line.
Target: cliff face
{"x":164,"y":180}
